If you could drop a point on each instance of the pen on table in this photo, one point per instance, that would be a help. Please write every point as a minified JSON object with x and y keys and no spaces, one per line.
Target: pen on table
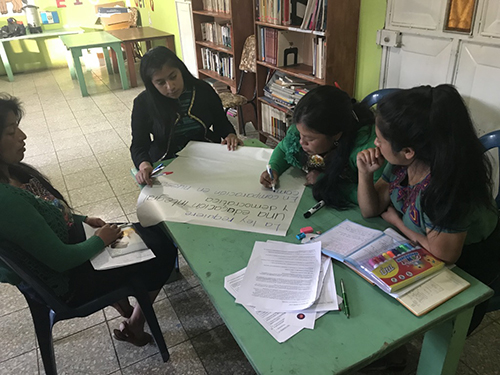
{"x":344,"y":297}
{"x":270,"y":173}
{"x":314,"y":208}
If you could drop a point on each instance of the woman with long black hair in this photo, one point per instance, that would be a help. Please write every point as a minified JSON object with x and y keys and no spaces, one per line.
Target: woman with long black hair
{"x":436,"y":188}
{"x":175,"y":108}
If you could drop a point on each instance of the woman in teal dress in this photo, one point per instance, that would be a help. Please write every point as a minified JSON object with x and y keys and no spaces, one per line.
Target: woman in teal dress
{"x":437,"y":187}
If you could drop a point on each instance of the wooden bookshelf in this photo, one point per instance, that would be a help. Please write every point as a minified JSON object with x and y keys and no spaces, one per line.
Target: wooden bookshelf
{"x":241,"y":28}
{"x":341,"y":43}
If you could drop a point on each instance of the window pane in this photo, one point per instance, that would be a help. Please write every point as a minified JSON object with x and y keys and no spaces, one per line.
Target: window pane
{"x":460,"y":13}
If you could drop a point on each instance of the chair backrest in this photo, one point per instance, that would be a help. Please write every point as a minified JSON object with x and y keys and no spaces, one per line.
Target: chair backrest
{"x":16,"y":264}
{"x":373,"y":98}
{"x":489,"y":141}
{"x":248,"y":60}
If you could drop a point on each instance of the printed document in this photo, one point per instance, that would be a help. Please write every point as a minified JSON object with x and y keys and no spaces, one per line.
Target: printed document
{"x":281,"y":277}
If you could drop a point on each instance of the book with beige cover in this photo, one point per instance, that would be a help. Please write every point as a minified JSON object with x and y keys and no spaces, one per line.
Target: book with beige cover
{"x":433,"y":292}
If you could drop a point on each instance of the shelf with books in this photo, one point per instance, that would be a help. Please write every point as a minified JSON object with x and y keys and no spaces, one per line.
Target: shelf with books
{"x":314,"y":42}
{"x":273,"y":104}
{"x":302,"y":71}
{"x":220,"y":30}
{"x":210,"y":73}
{"x":214,"y":46}
{"x":207,"y":13}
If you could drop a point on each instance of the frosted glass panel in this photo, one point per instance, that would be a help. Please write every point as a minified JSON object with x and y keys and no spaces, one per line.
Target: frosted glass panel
{"x":424,"y":14}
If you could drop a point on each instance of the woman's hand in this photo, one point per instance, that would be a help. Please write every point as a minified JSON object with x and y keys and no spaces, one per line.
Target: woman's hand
{"x":143,"y":176}
{"x":369,"y":160}
{"x":94,"y":222}
{"x":392,"y":216}
{"x":312,"y":177}
{"x":109,"y":233}
{"x":232,"y":141}
{"x":265,"y":179}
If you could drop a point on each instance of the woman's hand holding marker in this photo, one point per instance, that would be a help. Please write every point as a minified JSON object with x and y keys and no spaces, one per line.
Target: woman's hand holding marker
{"x":143,"y":176}
{"x":266,"y":181}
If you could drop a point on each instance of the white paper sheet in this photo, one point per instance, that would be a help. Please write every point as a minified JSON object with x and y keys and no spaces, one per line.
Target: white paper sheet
{"x":105,"y":261}
{"x":281,"y":277}
{"x":216,"y":187}
{"x":273,"y":322}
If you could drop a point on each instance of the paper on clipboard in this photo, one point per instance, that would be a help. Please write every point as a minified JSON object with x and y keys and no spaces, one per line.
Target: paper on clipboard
{"x":110,"y":258}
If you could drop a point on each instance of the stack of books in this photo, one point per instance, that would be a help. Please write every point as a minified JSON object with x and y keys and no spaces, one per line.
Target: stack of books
{"x":274,"y":121}
{"x":286,"y":91}
{"x":400,"y":268}
{"x":219,"y":62}
{"x":216,"y":33}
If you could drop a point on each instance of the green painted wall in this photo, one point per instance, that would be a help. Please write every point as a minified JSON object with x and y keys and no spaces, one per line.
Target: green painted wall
{"x":24,"y":55}
{"x":164,"y":18}
{"x":372,"y":18}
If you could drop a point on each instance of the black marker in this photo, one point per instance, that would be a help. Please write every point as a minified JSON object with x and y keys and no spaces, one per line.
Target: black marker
{"x":313,"y":209}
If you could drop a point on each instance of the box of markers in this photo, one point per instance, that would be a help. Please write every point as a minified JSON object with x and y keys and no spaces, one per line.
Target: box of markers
{"x":397,"y":266}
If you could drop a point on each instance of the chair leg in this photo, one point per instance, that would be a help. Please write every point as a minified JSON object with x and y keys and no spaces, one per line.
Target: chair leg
{"x":152,"y":320}
{"x":42,"y":320}
{"x":241,"y":121}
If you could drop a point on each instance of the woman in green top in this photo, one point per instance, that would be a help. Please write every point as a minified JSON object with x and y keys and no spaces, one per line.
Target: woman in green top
{"x":39,"y":226}
{"x":437,"y":187}
{"x":330,"y":129}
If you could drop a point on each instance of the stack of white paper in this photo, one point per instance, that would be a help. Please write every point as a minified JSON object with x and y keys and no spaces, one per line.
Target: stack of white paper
{"x":285,"y":287}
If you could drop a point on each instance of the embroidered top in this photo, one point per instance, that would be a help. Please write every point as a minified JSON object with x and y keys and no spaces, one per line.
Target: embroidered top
{"x":406,"y":199}
{"x":35,"y":187}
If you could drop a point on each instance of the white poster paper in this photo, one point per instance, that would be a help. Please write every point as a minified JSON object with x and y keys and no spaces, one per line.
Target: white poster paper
{"x":209,"y":185}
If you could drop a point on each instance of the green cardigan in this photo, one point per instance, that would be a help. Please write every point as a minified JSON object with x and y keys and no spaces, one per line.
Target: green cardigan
{"x":37,"y":227}
{"x":289,"y":153}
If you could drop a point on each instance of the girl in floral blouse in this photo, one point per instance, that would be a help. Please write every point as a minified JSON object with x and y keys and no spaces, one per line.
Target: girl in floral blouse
{"x":436,"y":187}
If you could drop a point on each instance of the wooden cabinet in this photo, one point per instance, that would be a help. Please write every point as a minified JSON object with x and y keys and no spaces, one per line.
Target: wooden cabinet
{"x":240,"y":20}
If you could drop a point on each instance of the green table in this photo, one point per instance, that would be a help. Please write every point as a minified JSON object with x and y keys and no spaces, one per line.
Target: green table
{"x":41,"y":46}
{"x":98,"y":39}
{"x":337,"y":345}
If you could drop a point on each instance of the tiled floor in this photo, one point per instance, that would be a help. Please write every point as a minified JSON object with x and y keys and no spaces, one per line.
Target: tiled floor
{"x":81,"y":144}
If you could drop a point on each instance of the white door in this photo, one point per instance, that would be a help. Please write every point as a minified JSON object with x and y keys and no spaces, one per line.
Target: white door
{"x":436,"y":48}
{"x":186,"y":32}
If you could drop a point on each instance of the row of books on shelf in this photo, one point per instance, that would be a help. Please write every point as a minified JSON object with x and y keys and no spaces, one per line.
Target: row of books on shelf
{"x":274,"y":121}
{"x":305,"y":14}
{"x":219,"y":62}
{"x":216,"y":33}
{"x":222,"y":6}
{"x":286,"y":91}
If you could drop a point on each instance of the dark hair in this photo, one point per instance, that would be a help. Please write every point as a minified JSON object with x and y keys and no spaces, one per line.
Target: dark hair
{"x":328,"y":110}
{"x":436,"y":124}
{"x":22,"y":171}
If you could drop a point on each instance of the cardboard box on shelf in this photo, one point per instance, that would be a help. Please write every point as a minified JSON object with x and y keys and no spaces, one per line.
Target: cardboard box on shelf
{"x":114,"y":21}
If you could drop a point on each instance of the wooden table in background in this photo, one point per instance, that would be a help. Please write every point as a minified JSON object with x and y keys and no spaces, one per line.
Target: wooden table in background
{"x":75,"y":43}
{"x":140,"y":34}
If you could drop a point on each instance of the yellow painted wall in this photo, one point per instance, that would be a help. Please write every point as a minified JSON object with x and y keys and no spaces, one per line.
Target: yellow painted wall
{"x":163,"y":17}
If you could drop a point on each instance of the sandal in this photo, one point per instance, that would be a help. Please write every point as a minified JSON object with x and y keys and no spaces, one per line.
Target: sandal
{"x":125,"y":334}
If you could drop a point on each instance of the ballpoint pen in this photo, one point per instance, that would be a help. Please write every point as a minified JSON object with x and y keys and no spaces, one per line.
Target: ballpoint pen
{"x":157,"y":169}
{"x":270,"y":173}
{"x":344,"y":297}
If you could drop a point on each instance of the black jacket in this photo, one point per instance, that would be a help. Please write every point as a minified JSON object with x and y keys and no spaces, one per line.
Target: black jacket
{"x":206,"y":108}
